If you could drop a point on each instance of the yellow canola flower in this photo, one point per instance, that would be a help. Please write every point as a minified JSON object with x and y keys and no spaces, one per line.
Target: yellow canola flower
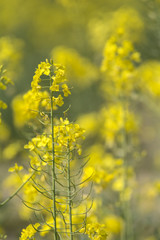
{"x":16,"y":168}
{"x":66,"y":135}
{"x":43,"y":68}
{"x":95,"y":231}
{"x":59,"y":100}
{"x":59,"y":74}
{"x":3,"y":105}
{"x":38,"y":142}
{"x":29,"y":231}
{"x":55,"y":71}
{"x":70,"y":134}
{"x":66,"y":90}
{"x":103,"y":169}
{"x":119,"y":66}
{"x":38,"y":99}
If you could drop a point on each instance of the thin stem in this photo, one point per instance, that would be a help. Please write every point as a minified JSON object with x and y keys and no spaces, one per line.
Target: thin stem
{"x":69,"y":193}
{"x":53,"y":169}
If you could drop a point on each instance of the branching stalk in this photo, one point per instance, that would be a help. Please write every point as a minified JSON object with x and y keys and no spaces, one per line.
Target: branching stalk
{"x":53,"y":170}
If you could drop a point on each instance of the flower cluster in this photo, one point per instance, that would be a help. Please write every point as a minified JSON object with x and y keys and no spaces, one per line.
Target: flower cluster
{"x":29,"y":232}
{"x":16,"y":168}
{"x":96,"y":231}
{"x":49,"y":79}
{"x":115,"y":126}
{"x":119,"y":63}
{"x":65,"y":133}
{"x":48,"y":180}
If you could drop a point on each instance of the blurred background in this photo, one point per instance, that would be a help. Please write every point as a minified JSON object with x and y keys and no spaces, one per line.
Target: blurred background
{"x":75,"y":33}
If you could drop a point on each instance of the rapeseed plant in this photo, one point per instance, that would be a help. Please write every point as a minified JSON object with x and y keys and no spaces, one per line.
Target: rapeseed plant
{"x":49,"y":184}
{"x":116,"y":127}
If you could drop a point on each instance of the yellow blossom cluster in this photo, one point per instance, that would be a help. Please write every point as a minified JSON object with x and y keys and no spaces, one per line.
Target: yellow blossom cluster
{"x":49,"y":78}
{"x":109,"y":172}
{"x":16,"y":168}
{"x":96,"y":231}
{"x":119,"y":63}
{"x":52,"y":152}
{"x":29,"y":232}
{"x":56,"y":72}
{"x":116,"y":127}
{"x":66,"y":134}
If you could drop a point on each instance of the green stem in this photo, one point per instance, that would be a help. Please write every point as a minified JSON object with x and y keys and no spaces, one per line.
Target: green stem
{"x":69,"y":193}
{"x":53,"y":170}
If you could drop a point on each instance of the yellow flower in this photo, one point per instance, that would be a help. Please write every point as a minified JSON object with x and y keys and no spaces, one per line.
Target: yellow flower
{"x":29,"y":231}
{"x":59,"y":101}
{"x":96,"y":231}
{"x":16,"y":168}
{"x":66,"y":90}
{"x":54,"y":87}
{"x":3,"y":105}
{"x":119,"y":63}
